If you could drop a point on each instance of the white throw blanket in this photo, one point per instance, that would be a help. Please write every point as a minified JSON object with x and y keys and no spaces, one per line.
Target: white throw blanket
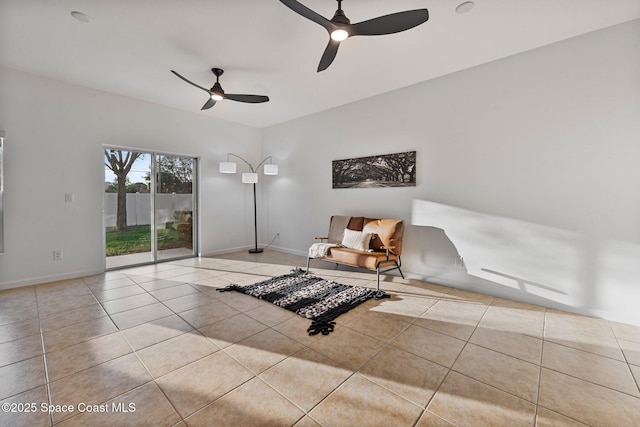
{"x":320,"y":250}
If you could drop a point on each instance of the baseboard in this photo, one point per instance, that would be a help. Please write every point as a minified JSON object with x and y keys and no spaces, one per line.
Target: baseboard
{"x":49,"y":278}
{"x":288,"y":251}
{"x":246,"y":248}
{"x":225,"y":251}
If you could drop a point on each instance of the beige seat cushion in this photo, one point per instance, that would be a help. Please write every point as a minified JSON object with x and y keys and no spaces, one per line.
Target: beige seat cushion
{"x":361,"y":259}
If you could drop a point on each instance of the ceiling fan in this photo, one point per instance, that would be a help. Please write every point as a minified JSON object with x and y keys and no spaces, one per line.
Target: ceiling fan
{"x":217,"y":94}
{"x":340,"y":27}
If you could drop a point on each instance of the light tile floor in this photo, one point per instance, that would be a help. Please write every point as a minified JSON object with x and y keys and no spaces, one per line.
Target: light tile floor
{"x":159,"y":346}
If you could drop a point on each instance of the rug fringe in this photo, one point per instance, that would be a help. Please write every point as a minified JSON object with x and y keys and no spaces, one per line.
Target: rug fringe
{"x":231,"y":287}
{"x":320,"y":326}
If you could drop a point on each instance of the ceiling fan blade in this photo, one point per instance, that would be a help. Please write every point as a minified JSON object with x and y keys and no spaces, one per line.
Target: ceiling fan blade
{"x":329,"y":55}
{"x":210,"y":103}
{"x":389,"y":24}
{"x":303,"y":10}
{"x":252,"y":99}
{"x":192,"y":83}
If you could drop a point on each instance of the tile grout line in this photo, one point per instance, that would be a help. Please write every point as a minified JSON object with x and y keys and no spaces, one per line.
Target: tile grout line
{"x":146,"y":305}
{"x":444,"y":377}
{"x":590,"y":382}
{"x":217,"y":399}
{"x":544,"y":330}
{"x":119,"y":331}
{"x":194,"y":329}
{"x":223,"y":349}
{"x":44,"y":358}
{"x":304,"y":346}
{"x":588,"y":352}
{"x":593,"y":354}
{"x":450,"y":369}
{"x":106,"y":312}
{"x":181,"y":367}
{"x":413,"y":323}
{"x":626,"y":359}
{"x":568,"y":375}
{"x":153,"y":379}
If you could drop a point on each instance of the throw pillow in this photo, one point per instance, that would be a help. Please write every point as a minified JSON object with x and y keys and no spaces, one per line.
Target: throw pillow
{"x":356,"y":240}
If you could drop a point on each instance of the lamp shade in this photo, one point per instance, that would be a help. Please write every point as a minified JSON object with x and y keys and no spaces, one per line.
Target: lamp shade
{"x":227,"y":167}
{"x":249,"y":178}
{"x":270,"y":169}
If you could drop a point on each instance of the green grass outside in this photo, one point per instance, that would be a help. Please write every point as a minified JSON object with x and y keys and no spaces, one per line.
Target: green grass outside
{"x":137,"y":239}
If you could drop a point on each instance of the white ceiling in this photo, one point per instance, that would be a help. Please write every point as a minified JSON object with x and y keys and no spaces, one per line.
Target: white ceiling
{"x":265,"y":48}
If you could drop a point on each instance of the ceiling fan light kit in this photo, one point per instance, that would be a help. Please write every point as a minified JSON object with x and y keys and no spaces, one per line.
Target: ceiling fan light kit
{"x":340,"y":27}
{"x":339,"y":35}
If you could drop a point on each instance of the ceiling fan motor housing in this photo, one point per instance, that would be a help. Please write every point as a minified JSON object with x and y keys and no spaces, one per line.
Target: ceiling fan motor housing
{"x":340,"y":18}
{"x":217,"y":88}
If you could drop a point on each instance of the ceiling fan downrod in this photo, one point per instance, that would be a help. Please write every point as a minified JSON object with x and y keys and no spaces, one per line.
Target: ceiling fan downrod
{"x":339,"y":17}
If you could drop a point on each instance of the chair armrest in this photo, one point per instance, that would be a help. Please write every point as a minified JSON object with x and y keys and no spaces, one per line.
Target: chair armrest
{"x":386,"y":249}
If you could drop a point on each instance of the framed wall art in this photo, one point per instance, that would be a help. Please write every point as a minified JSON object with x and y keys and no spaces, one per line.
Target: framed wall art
{"x":387,"y":170}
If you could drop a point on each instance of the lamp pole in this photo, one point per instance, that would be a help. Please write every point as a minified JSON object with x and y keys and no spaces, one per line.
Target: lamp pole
{"x":255,"y":250}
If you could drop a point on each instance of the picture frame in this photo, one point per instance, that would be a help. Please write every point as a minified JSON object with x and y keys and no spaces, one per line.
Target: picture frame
{"x":385,"y":170}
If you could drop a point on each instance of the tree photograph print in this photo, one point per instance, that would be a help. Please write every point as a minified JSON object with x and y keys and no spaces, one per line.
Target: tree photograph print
{"x":388,"y":170}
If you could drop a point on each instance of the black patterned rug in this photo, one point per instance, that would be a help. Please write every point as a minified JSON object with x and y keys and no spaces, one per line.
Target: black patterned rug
{"x":312,"y":297}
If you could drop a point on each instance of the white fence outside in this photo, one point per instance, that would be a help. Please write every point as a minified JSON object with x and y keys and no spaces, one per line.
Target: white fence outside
{"x":139,"y":207}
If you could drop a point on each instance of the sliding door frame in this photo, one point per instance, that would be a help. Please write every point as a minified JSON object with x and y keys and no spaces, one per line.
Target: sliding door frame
{"x":154,"y":172}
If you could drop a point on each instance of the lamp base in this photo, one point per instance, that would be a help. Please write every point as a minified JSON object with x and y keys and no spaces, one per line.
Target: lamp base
{"x":256,"y":251}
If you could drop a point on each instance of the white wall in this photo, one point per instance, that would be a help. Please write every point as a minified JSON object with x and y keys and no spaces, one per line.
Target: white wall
{"x":56,"y":132}
{"x":527,"y":168}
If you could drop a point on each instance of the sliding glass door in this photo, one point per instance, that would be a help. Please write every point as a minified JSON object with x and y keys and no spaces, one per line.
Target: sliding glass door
{"x":127,"y":207}
{"x":174,"y":206}
{"x":149,"y":207}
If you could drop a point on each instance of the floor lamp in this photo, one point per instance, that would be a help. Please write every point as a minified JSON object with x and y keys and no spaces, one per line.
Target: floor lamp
{"x":251,"y":178}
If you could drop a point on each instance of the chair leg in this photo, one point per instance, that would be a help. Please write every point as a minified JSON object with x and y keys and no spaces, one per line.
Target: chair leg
{"x":308,"y":260}
{"x":380,"y":294}
{"x":401,"y":275}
